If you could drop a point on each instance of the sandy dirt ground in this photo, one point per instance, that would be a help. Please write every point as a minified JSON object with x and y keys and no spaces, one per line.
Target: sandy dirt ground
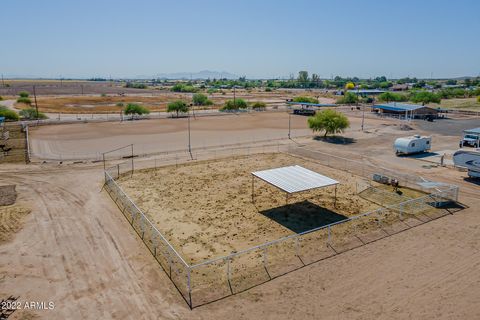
{"x":206,"y":208}
{"x":88,"y":140}
{"x":77,"y":250}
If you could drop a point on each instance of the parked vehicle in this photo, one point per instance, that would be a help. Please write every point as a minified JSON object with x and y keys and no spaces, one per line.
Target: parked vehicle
{"x":304,"y":111}
{"x":471,"y":137}
{"x":411,"y":145}
{"x":469,"y":159}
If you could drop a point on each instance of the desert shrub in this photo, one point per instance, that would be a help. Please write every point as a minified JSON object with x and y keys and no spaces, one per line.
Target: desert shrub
{"x":390,"y":96}
{"x":180,"y":87}
{"x":135,"y":85}
{"x":199,"y":99}
{"x":211,"y":90}
{"x":120,"y":104}
{"x":234,"y":105}
{"x":133,"y":108}
{"x":348,"y":98}
{"x":478,"y":99}
{"x":330,"y":121}
{"x":24,"y":94}
{"x":1,"y":98}
{"x":425,"y":97}
{"x":305,"y":99}
{"x":24,"y":100}
{"x":31,"y":113}
{"x":103,"y":95}
{"x":259,"y":105}
{"x":8,"y":114}
{"x":268,"y":89}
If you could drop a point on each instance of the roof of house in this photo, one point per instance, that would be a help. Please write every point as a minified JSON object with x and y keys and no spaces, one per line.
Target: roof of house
{"x":366,"y":91}
{"x":399,"y":107}
{"x":312,"y":104}
{"x":294,"y":179}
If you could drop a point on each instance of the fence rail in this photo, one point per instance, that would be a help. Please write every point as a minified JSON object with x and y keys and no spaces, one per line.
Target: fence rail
{"x":216,"y":278}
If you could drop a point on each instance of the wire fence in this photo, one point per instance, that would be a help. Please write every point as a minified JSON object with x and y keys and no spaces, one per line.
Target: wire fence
{"x":217,"y":278}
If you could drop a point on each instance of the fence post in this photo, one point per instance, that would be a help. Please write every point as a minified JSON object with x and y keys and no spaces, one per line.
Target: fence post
{"x":118,"y":171}
{"x":329,"y":235}
{"x":297,"y":248}
{"x":189,"y":287}
{"x":265,"y":257}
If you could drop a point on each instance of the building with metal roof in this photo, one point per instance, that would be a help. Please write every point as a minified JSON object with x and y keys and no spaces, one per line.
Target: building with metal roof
{"x":309,"y":104}
{"x":367,"y":92}
{"x":406,"y":110}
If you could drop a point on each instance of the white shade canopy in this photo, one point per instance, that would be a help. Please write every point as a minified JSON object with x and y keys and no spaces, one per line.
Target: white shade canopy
{"x":294,"y":179}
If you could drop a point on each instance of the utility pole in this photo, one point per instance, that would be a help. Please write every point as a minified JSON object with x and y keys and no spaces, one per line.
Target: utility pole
{"x":234,"y":103}
{"x":82,"y":88}
{"x":189,"y":139}
{"x":289,"y":125}
{"x":35,"y":98}
{"x":3,"y":81}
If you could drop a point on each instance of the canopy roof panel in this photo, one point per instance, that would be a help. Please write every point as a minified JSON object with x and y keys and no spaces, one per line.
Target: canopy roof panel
{"x":294,"y":179}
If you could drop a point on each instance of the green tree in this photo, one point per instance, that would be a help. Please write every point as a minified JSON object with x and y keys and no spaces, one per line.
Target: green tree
{"x":349,"y":86}
{"x":305,"y":99}
{"x":234,"y":105}
{"x":425,"y":97}
{"x":177,"y":106}
{"x":330,"y":121}
{"x":31,"y":113}
{"x":303,"y":78}
{"x":199,"y":99}
{"x":348,"y":98}
{"x":24,"y":100}
{"x":24,"y":94}
{"x":133,"y":109}
{"x":8,"y":114}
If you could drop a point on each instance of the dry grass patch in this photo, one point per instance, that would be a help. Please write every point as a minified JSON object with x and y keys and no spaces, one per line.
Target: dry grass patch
{"x":11,"y":220}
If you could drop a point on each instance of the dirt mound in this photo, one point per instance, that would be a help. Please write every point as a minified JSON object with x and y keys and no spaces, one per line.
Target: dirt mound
{"x":8,"y":195}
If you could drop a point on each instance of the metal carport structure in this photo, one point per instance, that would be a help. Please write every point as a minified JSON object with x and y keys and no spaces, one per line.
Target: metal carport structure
{"x":293,"y":179}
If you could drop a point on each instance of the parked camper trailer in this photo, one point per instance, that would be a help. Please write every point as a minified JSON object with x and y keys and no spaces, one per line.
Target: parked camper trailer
{"x":469,"y":159}
{"x":410,"y":145}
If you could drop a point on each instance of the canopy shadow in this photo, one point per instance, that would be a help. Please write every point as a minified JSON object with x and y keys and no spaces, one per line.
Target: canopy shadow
{"x":302,"y":216}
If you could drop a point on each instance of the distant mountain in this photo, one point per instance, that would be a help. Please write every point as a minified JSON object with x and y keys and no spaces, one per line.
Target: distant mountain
{"x":204,"y":74}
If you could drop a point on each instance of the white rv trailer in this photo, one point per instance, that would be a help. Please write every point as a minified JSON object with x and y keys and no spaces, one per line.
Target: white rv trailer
{"x":414,"y":144}
{"x":469,"y":159}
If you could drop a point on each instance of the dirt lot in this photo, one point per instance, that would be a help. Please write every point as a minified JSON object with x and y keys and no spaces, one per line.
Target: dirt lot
{"x":206,"y":208}
{"x":469,"y":104}
{"x":88,"y":140}
{"x":77,"y":250}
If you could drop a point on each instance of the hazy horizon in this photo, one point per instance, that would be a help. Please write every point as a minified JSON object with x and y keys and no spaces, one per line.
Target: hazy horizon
{"x":256,"y":39}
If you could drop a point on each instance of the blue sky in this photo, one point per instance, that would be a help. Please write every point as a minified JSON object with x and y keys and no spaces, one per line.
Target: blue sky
{"x":259,"y":38}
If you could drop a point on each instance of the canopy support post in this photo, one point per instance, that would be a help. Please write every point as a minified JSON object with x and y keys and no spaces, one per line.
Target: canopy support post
{"x":253,"y":188}
{"x":335,"y":203}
